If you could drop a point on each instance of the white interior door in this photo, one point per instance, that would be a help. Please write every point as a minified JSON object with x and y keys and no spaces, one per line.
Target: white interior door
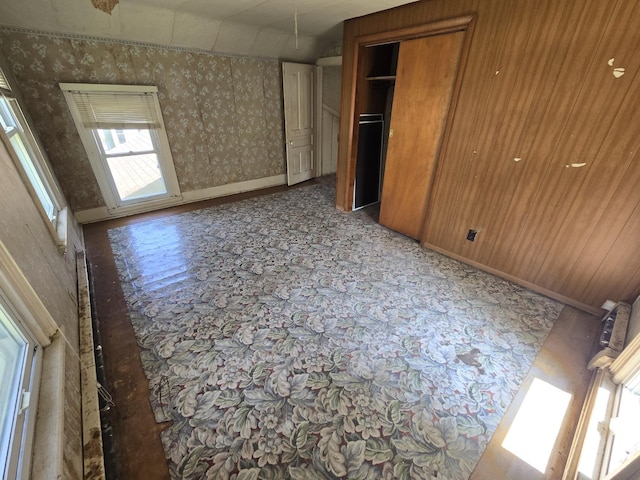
{"x":298,"y":88}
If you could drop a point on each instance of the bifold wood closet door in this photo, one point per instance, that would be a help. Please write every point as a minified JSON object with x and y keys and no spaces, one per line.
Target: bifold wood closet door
{"x":425,"y":77}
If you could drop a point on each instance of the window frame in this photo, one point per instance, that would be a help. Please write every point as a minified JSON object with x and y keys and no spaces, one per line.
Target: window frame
{"x":46,"y":460}
{"x":623,"y":370}
{"x":19,"y":462}
{"x":606,"y":472}
{"x":98,"y":159}
{"x":56,"y":221}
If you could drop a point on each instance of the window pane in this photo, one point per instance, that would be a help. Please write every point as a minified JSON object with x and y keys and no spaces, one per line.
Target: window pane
{"x":13,"y":354}
{"x":137,"y":176}
{"x":626,"y":426}
{"x":33,"y":176}
{"x":5,"y":116}
{"x":15,"y":126}
{"x":125,"y":141}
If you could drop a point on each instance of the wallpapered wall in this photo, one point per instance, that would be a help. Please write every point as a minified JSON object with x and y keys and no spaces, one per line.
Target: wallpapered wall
{"x":331,"y":78}
{"x":223,"y":115}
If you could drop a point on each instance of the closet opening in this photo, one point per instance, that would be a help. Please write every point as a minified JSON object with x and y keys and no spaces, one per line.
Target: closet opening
{"x":403,"y":93}
{"x":380,"y":63}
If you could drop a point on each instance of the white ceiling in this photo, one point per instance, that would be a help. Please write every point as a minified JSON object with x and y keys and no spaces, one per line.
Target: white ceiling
{"x":249,"y":27}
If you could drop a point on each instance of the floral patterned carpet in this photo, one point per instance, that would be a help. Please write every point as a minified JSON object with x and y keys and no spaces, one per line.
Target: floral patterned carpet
{"x":286,"y":339}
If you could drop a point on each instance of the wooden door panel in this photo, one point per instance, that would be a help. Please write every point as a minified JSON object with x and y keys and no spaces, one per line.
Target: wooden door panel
{"x":425,"y":77}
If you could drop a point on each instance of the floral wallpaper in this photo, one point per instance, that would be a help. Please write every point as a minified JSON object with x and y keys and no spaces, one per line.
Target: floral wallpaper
{"x":223,"y":114}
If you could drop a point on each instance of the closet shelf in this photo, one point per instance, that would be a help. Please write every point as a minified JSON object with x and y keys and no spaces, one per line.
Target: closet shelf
{"x":381,"y":77}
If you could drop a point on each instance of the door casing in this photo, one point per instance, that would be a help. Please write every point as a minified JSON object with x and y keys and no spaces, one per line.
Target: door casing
{"x":344,"y":193}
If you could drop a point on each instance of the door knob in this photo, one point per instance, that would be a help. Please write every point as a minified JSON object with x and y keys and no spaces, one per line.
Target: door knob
{"x":291,"y":143}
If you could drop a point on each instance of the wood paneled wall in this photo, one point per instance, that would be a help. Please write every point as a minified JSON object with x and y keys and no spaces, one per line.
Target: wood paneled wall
{"x":542,"y":156}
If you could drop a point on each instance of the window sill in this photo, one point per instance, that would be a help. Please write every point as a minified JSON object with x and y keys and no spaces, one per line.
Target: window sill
{"x":145,"y":206}
{"x":49,"y":429}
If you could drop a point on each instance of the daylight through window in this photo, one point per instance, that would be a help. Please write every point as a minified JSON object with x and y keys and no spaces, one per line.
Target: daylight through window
{"x":28,"y":153}
{"x":19,"y":353}
{"x":122,"y":130}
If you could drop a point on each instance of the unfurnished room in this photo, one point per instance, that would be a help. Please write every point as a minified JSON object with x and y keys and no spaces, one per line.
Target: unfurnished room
{"x":293,"y":239}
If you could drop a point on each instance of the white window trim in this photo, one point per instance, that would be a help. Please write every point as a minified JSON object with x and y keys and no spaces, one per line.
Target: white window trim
{"x":631,"y":367}
{"x":46,"y":460}
{"x":113,"y":204}
{"x":25,"y":300}
{"x":613,"y":378}
{"x":58,"y":228}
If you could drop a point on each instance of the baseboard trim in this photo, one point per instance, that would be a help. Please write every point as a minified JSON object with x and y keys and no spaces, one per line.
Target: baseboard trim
{"x":519,"y":281}
{"x":102,"y":213}
{"x":233,"y":188}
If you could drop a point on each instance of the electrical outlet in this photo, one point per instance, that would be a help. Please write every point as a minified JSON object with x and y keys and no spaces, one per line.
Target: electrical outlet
{"x":471,"y":236}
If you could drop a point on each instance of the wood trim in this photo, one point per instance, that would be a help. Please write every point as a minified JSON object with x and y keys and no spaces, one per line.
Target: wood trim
{"x":24,"y":299}
{"x":519,"y":281}
{"x":344,"y":198}
{"x":346,"y":202}
{"x":450,"y":25}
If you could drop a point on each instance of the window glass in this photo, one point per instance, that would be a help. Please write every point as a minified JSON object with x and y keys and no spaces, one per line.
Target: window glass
{"x":6,"y":118}
{"x":626,"y":425}
{"x":137,"y":176}
{"x":122,"y":131}
{"x":16,"y":128}
{"x":125,"y":141}
{"x":34,"y":178}
{"x":14,"y":348}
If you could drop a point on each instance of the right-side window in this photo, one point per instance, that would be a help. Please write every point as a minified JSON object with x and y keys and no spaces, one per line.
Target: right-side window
{"x":624,"y":427}
{"x":611,"y":446}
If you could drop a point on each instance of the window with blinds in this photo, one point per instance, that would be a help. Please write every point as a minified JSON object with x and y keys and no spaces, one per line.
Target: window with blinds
{"x":123,"y":133}
{"x":4,"y":85}
{"x":116,"y":111}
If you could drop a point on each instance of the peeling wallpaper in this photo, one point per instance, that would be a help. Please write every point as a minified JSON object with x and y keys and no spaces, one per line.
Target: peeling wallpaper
{"x":223,"y":114}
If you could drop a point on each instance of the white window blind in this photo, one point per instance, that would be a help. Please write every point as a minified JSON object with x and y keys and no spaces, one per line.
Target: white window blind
{"x":4,"y":85}
{"x":122,"y":130}
{"x":107,"y":110}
